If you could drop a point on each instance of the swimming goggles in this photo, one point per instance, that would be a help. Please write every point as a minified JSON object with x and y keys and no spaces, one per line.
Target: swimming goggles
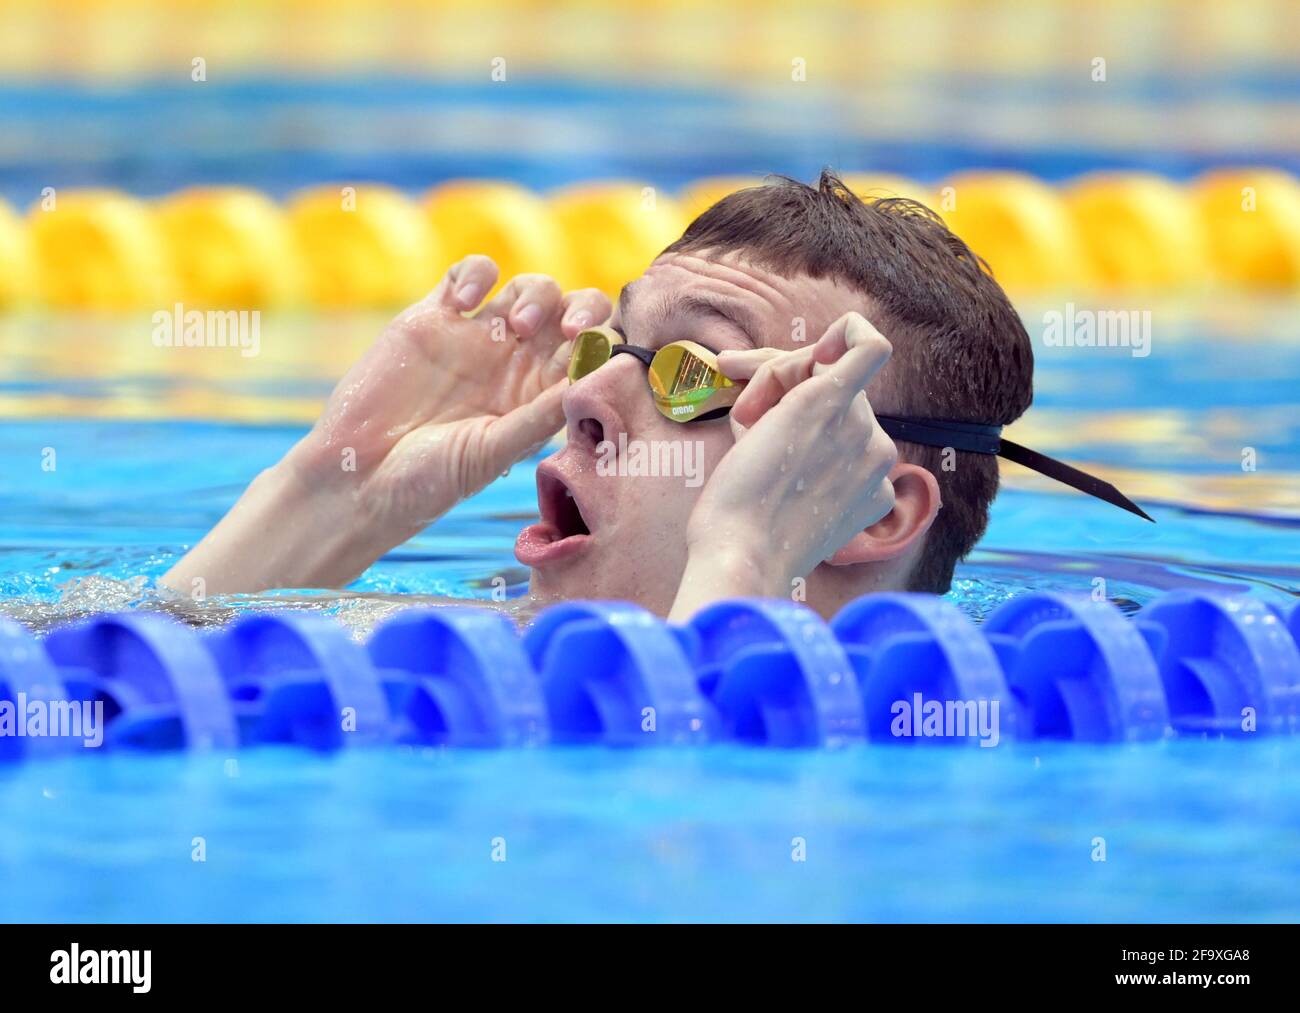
{"x":687,"y":386}
{"x":685,"y":381}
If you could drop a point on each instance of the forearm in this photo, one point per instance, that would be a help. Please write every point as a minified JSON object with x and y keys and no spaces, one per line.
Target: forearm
{"x":283,"y":532}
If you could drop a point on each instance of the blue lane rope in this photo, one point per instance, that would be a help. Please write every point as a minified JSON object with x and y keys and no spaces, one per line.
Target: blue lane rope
{"x":890,"y":668}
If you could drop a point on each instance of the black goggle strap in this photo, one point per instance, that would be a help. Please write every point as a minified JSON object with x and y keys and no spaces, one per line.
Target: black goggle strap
{"x":973,"y":437}
{"x":982,"y":439}
{"x":646,"y":355}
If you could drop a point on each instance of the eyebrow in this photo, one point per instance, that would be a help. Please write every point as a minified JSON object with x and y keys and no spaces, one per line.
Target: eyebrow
{"x":698,"y":305}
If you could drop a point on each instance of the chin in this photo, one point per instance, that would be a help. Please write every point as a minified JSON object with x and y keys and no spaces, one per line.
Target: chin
{"x":576,"y":582}
{"x":556,"y":584}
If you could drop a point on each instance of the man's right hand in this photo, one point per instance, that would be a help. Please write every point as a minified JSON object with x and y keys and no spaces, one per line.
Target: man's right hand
{"x":445,"y":401}
{"x":448,"y":397}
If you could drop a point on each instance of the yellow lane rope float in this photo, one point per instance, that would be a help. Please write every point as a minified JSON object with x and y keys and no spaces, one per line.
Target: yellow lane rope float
{"x":368,"y":246}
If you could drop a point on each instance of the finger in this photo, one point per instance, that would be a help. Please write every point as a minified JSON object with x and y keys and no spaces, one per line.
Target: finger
{"x":556,"y":367}
{"x":742,"y":365}
{"x":526,"y":303}
{"x":834,"y":343}
{"x":583,"y":308}
{"x":860,"y":417}
{"x":877,"y":444}
{"x":833,"y":389}
{"x":773,"y":379}
{"x":525,"y":429}
{"x":466,"y":282}
{"x":553,"y":340}
{"x":772,"y":373}
{"x":852,"y":346}
{"x":827,"y":403}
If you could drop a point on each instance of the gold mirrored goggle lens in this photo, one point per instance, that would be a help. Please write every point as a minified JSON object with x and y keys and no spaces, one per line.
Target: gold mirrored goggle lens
{"x":684,"y":377}
{"x":591,"y":350}
{"x":686,"y":381}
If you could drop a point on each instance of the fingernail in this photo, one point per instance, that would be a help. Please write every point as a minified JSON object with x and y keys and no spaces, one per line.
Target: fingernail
{"x":580,"y":319}
{"x":470,"y":294}
{"x":530,"y":316}
{"x":856,"y":332}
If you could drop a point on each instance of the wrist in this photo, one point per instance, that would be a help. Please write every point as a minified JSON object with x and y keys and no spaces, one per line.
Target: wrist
{"x":285,"y":531}
{"x":715,"y":573}
{"x":327,"y":532}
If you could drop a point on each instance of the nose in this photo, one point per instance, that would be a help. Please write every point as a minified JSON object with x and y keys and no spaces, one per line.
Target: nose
{"x":590,"y":411}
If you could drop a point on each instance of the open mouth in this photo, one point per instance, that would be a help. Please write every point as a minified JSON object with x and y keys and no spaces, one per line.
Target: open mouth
{"x":559,"y":507}
{"x":562,"y":529}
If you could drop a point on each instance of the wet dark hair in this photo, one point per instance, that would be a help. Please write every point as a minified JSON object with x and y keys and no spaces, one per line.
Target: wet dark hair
{"x":961,"y":351}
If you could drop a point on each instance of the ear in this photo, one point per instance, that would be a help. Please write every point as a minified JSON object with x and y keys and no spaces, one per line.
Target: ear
{"x":916,"y":504}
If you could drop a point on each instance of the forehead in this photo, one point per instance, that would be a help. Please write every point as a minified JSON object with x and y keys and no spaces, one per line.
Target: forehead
{"x":768,"y":308}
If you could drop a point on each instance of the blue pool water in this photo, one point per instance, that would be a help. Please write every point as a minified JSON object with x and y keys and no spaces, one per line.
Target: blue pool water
{"x":360,"y":127}
{"x":1191,"y":829}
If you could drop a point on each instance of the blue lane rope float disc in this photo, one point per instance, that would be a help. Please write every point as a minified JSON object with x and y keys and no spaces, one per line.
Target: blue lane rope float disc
{"x":1291,"y":619}
{"x":162,"y":687}
{"x":777,"y":674}
{"x":917,"y":656}
{"x":1229,"y":664}
{"x":1081,"y":670}
{"x":301,"y":678}
{"x":766,"y":672}
{"x":29,"y":683}
{"x":615,"y":673}
{"x":459,"y":677}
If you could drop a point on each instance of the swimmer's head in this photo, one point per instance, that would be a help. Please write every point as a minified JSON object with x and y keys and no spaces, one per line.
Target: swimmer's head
{"x":774,"y":266}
